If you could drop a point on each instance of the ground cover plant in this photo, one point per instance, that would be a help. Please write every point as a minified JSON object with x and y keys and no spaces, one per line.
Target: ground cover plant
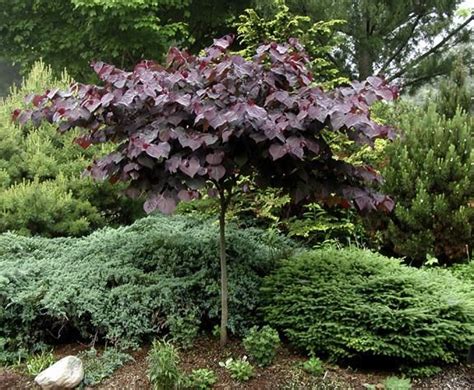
{"x":201,"y":379}
{"x":129,"y":284}
{"x":98,"y":367}
{"x":240,"y":369}
{"x":355,"y":305}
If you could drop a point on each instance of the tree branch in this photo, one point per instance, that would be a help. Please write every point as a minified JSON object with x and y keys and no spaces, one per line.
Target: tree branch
{"x":402,"y":46}
{"x":433,"y":50}
{"x":422,"y":78}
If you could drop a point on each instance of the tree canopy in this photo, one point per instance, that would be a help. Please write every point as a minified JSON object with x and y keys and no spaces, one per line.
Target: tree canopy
{"x":72,"y":33}
{"x":215,"y":116}
{"x":407,"y":41}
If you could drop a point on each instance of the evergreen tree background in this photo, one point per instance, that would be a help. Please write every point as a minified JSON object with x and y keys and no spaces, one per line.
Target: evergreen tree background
{"x":430,"y":174}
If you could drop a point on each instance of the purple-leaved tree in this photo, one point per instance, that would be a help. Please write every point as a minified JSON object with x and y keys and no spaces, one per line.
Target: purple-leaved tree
{"x":203,"y":121}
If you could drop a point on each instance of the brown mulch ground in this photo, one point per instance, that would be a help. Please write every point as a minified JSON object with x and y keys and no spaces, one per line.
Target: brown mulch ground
{"x":283,"y":374}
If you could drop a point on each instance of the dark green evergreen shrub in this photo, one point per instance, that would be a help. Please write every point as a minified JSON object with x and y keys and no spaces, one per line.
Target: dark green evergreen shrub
{"x":429,"y":172}
{"x":126,"y":284}
{"x":431,"y":178}
{"x":352,"y":303}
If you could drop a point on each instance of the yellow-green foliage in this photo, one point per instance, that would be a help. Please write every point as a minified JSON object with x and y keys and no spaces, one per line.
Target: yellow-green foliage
{"x":317,"y":38}
{"x":41,"y":189}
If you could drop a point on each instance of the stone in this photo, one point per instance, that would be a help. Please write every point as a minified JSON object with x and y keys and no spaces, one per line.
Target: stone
{"x":66,"y":373}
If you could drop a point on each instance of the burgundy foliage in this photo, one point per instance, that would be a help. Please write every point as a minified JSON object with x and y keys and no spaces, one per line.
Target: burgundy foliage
{"x":211,"y":118}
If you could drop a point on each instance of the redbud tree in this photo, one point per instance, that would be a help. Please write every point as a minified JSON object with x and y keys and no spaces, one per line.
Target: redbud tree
{"x":201,"y":122}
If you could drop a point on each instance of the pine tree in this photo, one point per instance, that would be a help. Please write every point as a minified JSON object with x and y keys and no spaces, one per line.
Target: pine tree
{"x":430,"y":174}
{"x":454,"y":92}
{"x":41,"y":189}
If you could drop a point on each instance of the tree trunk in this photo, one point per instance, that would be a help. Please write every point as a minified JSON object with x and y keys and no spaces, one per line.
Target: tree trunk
{"x":224,"y":281}
{"x":365,"y":64}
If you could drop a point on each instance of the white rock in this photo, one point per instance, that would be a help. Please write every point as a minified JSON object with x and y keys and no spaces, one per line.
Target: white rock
{"x":66,"y":373}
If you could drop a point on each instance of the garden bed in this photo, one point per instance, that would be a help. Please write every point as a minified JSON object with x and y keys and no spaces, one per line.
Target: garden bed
{"x":284,"y":373}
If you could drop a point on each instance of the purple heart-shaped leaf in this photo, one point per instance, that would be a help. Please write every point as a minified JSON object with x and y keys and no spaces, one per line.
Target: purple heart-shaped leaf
{"x":277,"y":151}
{"x":158,"y":151}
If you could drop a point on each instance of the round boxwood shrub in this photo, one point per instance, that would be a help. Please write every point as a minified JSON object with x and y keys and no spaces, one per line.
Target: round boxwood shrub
{"x":355,"y":304}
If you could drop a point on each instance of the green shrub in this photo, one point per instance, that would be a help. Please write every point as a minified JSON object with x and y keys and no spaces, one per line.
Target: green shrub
{"x":313,"y":366}
{"x":99,"y":367}
{"x":201,"y":379}
{"x":12,"y":352}
{"x":262,"y":344}
{"x":464,"y":271}
{"x":394,"y":383}
{"x":421,"y":372}
{"x":240,"y":369}
{"x":39,"y":362}
{"x":353,"y":303}
{"x":41,"y":189}
{"x":253,"y":28}
{"x":184,"y":327}
{"x":129,"y":284}
{"x":163,"y":370}
{"x":431,"y":177}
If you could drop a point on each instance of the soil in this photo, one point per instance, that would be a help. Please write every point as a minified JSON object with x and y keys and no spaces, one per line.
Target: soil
{"x":284,"y":373}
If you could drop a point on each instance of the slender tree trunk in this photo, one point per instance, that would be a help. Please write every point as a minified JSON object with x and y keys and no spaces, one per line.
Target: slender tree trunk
{"x":224,"y":280}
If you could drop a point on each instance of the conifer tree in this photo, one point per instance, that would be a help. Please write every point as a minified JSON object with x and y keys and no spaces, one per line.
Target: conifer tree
{"x":430,"y":175}
{"x":41,"y":191}
{"x":454,"y":92}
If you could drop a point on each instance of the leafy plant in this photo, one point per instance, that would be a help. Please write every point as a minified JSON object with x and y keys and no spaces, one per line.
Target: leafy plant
{"x":98,"y":367}
{"x":163,"y":370}
{"x":216,"y":117}
{"x":121,"y":31}
{"x":352,"y":303}
{"x":395,"y":383}
{"x":240,"y":369}
{"x":201,"y":379}
{"x":313,"y":366}
{"x":184,"y":328}
{"x":262,"y":344}
{"x":318,"y":225}
{"x":216,"y":331}
{"x":36,"y":363}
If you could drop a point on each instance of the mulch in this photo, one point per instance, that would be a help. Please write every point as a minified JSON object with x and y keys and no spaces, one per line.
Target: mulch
{"x":284,"y":373}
